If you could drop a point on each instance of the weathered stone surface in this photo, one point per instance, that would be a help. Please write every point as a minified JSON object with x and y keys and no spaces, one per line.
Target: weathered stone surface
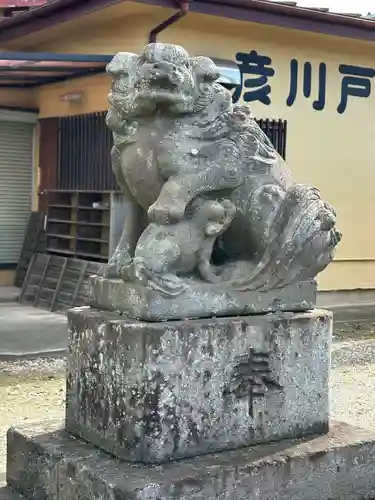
{"x":153,"y":392}
{"x":221,"y":213}
{"x":7,"y":494}
{"x":199,"y":301}
{"x":46,"y":463}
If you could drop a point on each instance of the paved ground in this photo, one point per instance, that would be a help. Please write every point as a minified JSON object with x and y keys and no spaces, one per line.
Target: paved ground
{"x":349,"y":312}
{"x":26,"y":330}
{"x":9,"y":294}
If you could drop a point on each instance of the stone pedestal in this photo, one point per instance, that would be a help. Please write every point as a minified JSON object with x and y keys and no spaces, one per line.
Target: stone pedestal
{"x":254,"y":388}
{"x":198,"y":301}
{"x":153,"y":392}
{"x":47,"y":463}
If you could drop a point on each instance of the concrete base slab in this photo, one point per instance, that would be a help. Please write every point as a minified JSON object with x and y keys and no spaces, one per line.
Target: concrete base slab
{"x":27,"y":332}
{"x":46,"y":462}
{"x":9,"y":294}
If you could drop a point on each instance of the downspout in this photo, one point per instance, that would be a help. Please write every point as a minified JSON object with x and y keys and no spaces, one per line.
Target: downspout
{"x":184,"y":9}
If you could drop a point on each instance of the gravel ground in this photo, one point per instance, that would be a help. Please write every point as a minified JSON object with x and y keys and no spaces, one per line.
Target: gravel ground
{"x":31,"y":391}
{"x":353,"y":395}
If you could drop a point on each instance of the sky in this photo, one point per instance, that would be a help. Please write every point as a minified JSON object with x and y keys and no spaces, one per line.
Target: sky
{"x":356,"y":6}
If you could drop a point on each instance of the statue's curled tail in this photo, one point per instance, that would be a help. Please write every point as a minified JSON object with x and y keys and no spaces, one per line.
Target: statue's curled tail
{"x":303,"y":237}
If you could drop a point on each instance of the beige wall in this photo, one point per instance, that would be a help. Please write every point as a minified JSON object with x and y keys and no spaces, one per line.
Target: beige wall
{"x":324,"y":148}
{"x":7,"y":277}
{"x":17,"y":98}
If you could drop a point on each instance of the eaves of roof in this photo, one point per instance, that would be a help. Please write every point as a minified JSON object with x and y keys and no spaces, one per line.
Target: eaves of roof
{"x":283,"y":14}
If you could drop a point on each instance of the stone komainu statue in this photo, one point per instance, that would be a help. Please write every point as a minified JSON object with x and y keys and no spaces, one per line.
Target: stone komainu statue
{"x":178,"y":139}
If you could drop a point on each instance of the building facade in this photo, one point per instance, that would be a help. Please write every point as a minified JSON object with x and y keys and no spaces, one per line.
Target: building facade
{"x":308,"y":71}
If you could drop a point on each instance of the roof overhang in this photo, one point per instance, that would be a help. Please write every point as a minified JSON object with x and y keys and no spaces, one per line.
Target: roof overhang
{"x":259,"y":11}
{"x":33,"y":69}
{"x":18,"y":4}
{"x":229,"y":71}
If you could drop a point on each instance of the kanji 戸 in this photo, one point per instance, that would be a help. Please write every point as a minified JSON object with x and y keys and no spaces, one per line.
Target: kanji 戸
{"x":355,"y":82}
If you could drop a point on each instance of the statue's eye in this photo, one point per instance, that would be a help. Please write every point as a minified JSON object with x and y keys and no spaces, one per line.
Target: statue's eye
{"x":207,"y":78}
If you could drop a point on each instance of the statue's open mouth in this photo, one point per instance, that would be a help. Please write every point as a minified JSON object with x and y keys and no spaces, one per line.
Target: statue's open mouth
{"x":157,"y":78}
{"x":157,"y":82}
{"x":160,"y":88}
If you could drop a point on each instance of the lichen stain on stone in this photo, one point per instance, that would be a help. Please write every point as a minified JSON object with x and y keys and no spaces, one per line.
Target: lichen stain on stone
{"x":194,"y":368}
{"x":155,"y":392}
{"x":101,"y":386}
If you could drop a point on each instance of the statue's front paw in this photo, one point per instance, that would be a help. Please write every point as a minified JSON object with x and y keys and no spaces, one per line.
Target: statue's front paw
{"x":166,"y":213}
{"x":108,"y":271}
{"x":119,"y":259}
